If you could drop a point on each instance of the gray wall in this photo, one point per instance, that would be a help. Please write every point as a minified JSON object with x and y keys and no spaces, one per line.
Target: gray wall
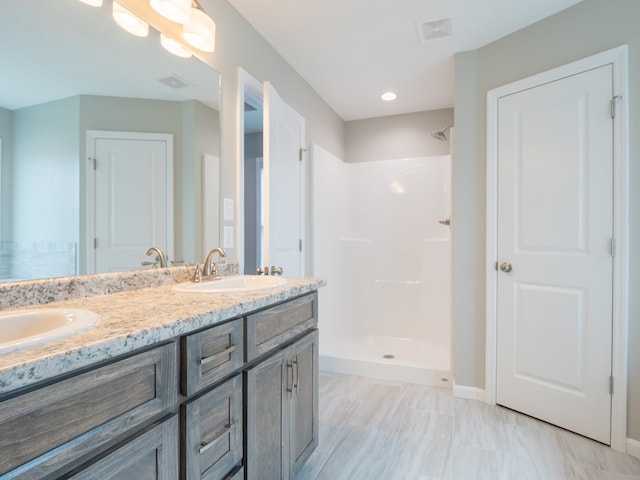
{"x":253,"y":144}
{"x":585,"y":29}
{"x":44,"y":178}
{"x":397,"y":136}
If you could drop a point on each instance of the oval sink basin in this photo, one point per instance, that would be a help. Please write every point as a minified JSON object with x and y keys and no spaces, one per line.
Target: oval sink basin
{"x":22,"y":329}
{"x":236,"y":284}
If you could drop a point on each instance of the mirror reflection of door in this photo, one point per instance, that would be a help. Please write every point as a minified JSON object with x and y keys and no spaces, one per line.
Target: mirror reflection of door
{"x":131,"y":188}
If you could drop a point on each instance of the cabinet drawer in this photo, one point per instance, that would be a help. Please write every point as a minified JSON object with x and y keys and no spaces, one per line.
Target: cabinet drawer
{"x":152,"y":455}
{"x":57,"y":425}
{"x":212,"y":430}
{"x":211,"y":355}
{"x":271,"y":328}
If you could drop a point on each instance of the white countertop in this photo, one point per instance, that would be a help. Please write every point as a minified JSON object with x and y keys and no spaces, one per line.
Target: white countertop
{"x":132,"y":320}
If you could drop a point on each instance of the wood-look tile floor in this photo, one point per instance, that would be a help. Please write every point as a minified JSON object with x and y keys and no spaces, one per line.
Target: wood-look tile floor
{"x":377,"y":430}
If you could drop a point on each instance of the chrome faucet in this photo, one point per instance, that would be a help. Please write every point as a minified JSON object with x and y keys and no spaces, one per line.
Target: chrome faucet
{"x":159,"y":256}
{"x":209,"y":268}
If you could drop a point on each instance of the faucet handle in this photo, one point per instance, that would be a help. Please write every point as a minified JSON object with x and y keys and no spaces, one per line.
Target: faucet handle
{"x":152,"y":264}
{"x":197,"y":274}
{"x":276,"y":270}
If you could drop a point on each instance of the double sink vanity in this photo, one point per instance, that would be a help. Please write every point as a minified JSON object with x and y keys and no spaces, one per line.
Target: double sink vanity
{"x":166,"y":380}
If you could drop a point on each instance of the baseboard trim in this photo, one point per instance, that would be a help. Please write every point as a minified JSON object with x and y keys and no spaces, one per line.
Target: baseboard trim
{"x":471,"y":393}
{"x":633,"y":447}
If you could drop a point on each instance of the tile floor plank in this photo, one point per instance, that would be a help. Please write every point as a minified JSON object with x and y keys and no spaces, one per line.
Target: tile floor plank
{"x":379,"y":430}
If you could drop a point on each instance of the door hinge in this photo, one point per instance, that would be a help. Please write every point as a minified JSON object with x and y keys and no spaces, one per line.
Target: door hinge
{"x":613,"y":247}
{"x":611,"y":385}
{"x":300,"y":245}
{"x":301,"y":153}
{"x":95,"y":163}
{"x":95,"y":243}
{"x":613,"y":105}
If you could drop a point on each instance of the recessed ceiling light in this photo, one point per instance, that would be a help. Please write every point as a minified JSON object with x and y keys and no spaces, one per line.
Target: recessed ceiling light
{"x":388,"y":96}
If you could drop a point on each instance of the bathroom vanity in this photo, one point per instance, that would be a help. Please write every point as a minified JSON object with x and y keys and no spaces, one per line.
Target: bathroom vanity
{"x":169,"y":385}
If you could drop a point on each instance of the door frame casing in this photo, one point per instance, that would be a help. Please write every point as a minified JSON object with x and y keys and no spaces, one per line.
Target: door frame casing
{"x":618,"y":58}
{"x":90,"y":229}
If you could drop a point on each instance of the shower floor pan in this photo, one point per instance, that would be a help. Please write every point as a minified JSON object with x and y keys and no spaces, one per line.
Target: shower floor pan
{"x":388,"y":358}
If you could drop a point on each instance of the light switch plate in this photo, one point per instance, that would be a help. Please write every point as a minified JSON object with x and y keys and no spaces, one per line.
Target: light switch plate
{"x":228,"y":209}
{"x":228,"y":237}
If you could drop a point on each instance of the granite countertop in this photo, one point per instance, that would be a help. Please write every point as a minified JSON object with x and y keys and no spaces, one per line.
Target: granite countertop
{"x":135,"y":319}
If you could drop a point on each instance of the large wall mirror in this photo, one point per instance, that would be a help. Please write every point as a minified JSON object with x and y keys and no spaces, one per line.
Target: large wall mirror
{"x":67,"y":69}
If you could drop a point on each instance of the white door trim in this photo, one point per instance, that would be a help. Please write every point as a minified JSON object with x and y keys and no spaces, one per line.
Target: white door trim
{"x":618,"y":58}
{"x":90,"y":199}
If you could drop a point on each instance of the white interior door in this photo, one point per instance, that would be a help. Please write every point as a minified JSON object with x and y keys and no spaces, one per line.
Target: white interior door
{"x":284,"y":193}
{"x":132,"y":199}
{"x":555,"y":228}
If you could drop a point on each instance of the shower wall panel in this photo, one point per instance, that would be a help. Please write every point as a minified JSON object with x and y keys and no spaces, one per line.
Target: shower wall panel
{"x":378,"y":240}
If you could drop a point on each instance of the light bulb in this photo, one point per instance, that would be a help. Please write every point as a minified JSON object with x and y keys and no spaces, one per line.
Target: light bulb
{"x":174,"y":47}
{"x":130,"y":22}
{"x":178,"y":11}
{"x":200,"y":32}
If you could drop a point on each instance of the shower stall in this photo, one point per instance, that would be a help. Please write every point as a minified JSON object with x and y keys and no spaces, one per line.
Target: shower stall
{"x":381,"y":240}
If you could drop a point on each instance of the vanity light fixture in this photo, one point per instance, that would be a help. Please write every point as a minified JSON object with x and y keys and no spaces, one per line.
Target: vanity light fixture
{"x":130,"y":22}
{"x":93,"y":3}
{"x":200,"y":32}
{"x":178,"y":11}
{"x":174,"y":47}
{"x":388,"y":96}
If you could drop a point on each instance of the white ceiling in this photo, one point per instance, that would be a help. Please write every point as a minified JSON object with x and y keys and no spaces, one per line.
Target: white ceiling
{"x":351,"y":51}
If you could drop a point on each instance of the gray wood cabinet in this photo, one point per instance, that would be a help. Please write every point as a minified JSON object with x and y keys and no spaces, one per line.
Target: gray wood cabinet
{"x":53,"y":429}
{"x":212,"y":433}
{"x":271,"y":328}
{"x":282,"y":411}
{"x":211,"y":355}
{"x":248,"y":407}
{"x":153,"y":455}
{"x":304,"y":401}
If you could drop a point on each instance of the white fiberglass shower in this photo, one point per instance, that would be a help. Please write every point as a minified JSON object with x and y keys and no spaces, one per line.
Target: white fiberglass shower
{"x":381,"y":240}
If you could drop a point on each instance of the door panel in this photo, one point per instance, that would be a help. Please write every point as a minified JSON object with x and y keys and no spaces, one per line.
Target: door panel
{"x":284,"y":195}
{"x":555,"y":204}
{"x":304,"y":417}
{"x":266,"y":398}
{"x":131,"y":202}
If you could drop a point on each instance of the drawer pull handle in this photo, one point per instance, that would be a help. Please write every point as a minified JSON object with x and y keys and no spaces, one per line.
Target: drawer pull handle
{"x":206,"y":446}
{"x":290,"y":366}
{"x":218,"y":356}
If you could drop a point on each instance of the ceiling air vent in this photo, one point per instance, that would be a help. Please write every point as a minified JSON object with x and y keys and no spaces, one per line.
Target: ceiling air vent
{"x":174,"y":82}
{"x":435,"y":29}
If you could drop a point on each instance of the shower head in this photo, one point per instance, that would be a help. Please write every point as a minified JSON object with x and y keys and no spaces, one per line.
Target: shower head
{"x":441,"y":134}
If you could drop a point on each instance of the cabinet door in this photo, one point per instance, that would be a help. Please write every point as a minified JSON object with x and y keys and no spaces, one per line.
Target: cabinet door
{"x":52,"y":429}
{"x":267,"y":431}
{"x":275,"y":326}
{"x":304,"y":401}
{"x":213,"y":432}
{"x":150,"y":456}
{"x":210,"y":355}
